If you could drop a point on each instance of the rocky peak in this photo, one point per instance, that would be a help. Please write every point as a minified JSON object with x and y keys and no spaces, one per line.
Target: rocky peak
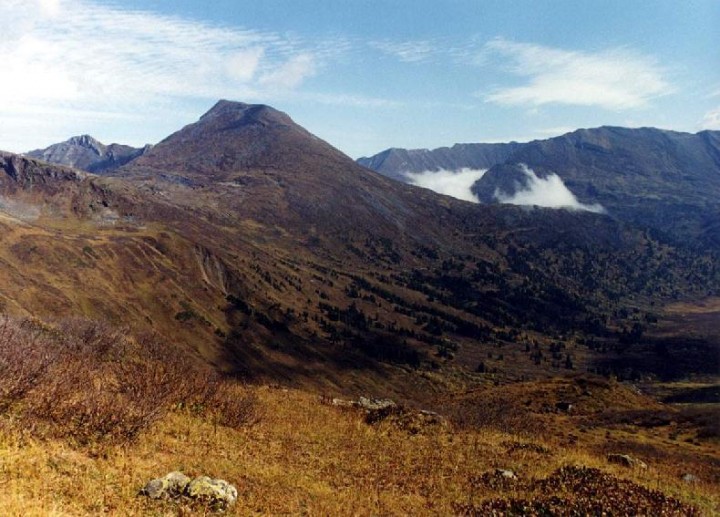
{"x":87,"y":142}
{"x":86,"y":153}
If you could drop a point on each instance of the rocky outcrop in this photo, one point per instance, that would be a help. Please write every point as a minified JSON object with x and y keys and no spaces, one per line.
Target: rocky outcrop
{"x":377,"y":410}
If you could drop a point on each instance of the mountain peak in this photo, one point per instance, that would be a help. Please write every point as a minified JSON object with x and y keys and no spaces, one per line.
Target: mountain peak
{"x":87,"y":141}
{"x":235,"y":136}
{"x":239,"y":114}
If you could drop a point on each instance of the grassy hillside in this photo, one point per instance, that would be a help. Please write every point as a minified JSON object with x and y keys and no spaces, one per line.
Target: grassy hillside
{"x":83,"y":441}
{"x":306,"y":457}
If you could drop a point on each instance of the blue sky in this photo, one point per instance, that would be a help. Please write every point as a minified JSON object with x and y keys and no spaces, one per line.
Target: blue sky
{"x":363,"y":74}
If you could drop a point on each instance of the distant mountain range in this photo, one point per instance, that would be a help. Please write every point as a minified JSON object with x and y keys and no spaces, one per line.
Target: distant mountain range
{"x":394,"y":163}
{"x":664,"y":180}
{"x":86,"y":153}
{"x":272,"y":254}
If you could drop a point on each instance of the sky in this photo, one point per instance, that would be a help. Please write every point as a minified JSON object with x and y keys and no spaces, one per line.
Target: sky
{"x":365,"y":75}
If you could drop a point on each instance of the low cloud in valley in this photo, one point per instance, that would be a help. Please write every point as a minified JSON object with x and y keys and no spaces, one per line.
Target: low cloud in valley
{"x":451,"y":183}
{"x":549,"y":192}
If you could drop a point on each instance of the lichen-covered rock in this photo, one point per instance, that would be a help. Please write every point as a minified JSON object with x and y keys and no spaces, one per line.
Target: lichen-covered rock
{"x":375,"y":404}
{"x":690,"y":478}
{"x":215,"y":492}
{"x":505,"y":473}
{"x":171,"y":486}
{"x":627,"y":461}
{"x":342,"y":403}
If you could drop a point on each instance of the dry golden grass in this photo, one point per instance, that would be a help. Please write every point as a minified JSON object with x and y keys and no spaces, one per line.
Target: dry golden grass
{"x":89,"y":415}
{"x":299,"y":457}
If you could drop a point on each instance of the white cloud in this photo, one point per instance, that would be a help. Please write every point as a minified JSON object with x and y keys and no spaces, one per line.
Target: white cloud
{"x":711,"y":120}
{"x":243,"y":64}
{"x":548,"y":192}
{"x":49,"y":8}
{"x":104,"y":59}
{"x":613,"y":79}
{"x":291,"y":73}
{"x":451,"y":183}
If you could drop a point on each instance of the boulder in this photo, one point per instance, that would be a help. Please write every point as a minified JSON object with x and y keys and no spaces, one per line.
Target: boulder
{"x":170,"y":486}
{"x":565,"y":407}
{"x":626,"y":461}
{"x":216,"y":493}
{"x":505,"y":474}
{"x":690,"y":478}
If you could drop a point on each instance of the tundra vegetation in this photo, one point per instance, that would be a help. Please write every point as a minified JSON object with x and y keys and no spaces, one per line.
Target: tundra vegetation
{"x":89,"y":413}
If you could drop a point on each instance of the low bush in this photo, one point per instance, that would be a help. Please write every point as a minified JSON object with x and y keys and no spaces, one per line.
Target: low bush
{"x":25,"y":356}
{"x":96,"y":385}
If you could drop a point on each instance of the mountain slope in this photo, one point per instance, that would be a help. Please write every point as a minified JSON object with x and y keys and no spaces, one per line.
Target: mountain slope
{"x":275,"y":256}
{"x":86,"y":153}
{"x":262,"y":165}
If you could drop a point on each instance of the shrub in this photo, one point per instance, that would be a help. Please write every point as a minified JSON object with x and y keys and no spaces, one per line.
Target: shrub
{"x":232,"y":406}
{"x":25,"y":356}
{"x":96,"y":384}
{"x":106,"y":387}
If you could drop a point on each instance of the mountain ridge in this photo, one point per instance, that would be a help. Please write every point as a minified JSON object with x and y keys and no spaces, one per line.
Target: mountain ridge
{"x":665,"y":180}
{"x":396,"y":162}
{"x":86,"y":153}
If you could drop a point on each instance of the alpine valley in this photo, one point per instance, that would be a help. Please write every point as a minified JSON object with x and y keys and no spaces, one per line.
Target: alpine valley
{"x":267,"y":255}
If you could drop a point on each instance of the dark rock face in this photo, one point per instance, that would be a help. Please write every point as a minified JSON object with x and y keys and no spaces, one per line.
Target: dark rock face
{"x":16,"y":170}
{"x":86,"y":153}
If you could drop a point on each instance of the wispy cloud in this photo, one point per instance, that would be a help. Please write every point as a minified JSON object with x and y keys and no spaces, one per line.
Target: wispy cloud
{"x":451,"y":183}
{"x":407,"y":51}
{"x":711,"y":119}
{"x":290,"y":74}
{"x":549,"y":192}
{"x":87,"y":57}
{"x":351,"y":100}
{"x":612,"y":79}
{"x":554,"y":131}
